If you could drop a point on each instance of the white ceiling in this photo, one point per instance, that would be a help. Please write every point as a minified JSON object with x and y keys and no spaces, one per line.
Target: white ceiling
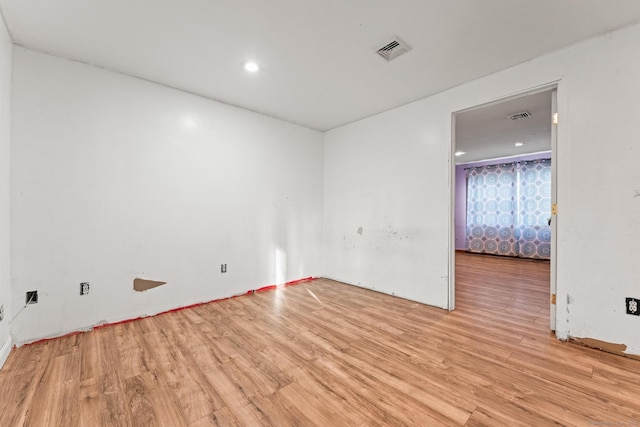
{"x":486,"y":132}
{"x":318,"y":63}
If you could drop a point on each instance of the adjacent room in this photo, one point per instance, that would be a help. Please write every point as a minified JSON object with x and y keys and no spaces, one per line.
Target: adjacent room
{"x":504,"y":197}
{"x":319,"y":213}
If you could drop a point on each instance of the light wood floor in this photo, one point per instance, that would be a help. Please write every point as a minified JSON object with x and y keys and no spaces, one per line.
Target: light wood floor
{"x":329,"y":354}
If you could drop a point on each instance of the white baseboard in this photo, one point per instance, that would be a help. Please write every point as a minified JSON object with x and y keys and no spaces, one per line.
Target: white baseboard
{"x":5,"y":350}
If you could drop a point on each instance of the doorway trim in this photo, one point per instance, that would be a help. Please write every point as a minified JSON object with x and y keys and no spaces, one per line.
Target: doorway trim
{"x":552,"y":86}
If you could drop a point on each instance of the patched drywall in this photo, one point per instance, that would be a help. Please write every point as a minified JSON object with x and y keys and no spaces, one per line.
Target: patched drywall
{"x":393,"y":172}
{"x":115,"y":178}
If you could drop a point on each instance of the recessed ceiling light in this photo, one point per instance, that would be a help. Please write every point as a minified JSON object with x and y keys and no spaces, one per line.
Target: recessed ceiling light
{"x":459,"y":153}
{"x":251,"y":67}
{"x":519,"y":144}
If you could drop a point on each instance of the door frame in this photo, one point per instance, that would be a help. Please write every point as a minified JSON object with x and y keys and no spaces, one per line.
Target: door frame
{"x":553,"y":87}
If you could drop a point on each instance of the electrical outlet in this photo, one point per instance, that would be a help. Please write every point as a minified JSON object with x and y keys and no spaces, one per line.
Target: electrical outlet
{"x":633,"y":306}
{"x":84,"y":288}
{"x":223,"y":268}
{"x":1,"y":312}
{"x":31,"y":297}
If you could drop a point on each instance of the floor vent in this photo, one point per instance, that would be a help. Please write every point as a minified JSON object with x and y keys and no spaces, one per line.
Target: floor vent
{"x":393,"y":49}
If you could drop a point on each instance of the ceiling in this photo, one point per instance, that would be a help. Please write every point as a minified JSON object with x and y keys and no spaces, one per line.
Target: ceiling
{"x":487,"y":133}
{"x":319,"y":67}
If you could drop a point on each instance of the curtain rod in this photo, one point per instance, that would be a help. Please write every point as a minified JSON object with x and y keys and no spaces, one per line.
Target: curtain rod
{"x":495,"y":165}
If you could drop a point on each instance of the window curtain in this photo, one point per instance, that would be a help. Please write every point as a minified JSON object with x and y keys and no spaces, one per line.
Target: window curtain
{"x":508,"y":209}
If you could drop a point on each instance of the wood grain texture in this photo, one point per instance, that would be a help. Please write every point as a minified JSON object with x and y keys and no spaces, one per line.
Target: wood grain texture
{"x":329,"y":354}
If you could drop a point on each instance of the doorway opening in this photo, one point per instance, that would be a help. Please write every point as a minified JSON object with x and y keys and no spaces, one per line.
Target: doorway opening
{"x":503,"y":213}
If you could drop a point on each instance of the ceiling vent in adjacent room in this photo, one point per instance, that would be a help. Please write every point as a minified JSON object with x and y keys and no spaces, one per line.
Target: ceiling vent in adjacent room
{"x":518,"y":116}
{"x":393,"y":49}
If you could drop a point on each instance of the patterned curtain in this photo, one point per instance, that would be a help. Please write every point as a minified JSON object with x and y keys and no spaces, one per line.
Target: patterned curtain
{"x":491,"y":192}
{"x":534,"y":209}
{"x":508,"y":207}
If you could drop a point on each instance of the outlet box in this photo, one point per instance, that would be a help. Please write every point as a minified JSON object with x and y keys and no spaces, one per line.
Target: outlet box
{"x":633,"y":306}
{"x":223,"y":268}
{"x":31,"y":297}
{"x":84,"y":288}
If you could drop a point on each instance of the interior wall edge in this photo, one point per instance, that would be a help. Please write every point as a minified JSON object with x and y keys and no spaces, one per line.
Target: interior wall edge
{"x":6,"y":77}
{"x":5,"y":350}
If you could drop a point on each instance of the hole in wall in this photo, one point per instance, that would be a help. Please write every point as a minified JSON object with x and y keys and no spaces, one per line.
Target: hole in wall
{"x":140,"y":285}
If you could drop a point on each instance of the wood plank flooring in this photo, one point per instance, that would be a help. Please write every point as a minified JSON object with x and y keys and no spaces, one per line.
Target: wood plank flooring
{"x":328,"y":354}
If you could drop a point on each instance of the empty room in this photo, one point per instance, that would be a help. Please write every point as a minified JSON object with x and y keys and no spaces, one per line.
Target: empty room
{"x":356,"y":213}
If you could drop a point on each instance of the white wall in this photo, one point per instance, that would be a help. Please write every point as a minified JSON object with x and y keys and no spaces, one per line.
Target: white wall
{"x":378,"y":180}
{"x":116,"y":178}
{"x":5,"y":134}
{"x":391,"y":175}
{"x":109,"y":183}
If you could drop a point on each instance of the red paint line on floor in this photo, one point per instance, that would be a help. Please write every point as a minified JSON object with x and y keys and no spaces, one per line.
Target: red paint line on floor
{"x":55,"y":338}
{"x":295,"y":282}
{"x":173,"y":310}
{"x":271,"y":287}
{"x":120,"y":322}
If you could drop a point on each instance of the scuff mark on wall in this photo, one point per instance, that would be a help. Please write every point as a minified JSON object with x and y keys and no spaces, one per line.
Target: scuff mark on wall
{"x":140,"y":285}
{"x":608,"y":347}
{"x":360,"y":231}
{"x":636,"y":194}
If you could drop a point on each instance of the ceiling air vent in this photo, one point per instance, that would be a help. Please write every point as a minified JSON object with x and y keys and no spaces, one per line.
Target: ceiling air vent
{"x":393,"y":49}
{"x":518,"y":116}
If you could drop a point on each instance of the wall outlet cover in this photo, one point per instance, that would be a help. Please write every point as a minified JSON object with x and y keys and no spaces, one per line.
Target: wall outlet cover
{"x":31,"y":297}
{"x":84,"y":288}
{"x":633,"y":306}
